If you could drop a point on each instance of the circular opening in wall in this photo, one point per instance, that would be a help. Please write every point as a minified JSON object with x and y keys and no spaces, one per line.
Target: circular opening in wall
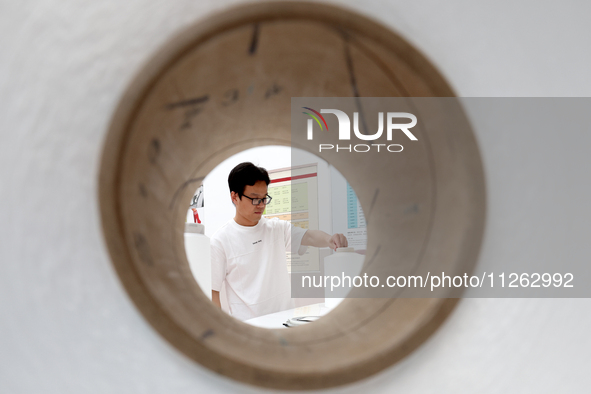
{"x":224,"y":86}
{"x":247,"y":275}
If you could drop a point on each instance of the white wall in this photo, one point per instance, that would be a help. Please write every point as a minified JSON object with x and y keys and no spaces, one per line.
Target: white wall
{"x":67,"y":325}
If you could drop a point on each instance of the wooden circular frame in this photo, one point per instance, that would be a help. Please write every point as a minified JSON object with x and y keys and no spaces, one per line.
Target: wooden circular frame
{"x":158,"y":151}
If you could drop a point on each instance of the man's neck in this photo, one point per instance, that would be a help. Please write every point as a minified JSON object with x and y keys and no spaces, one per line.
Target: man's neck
{"x":244,"y":222}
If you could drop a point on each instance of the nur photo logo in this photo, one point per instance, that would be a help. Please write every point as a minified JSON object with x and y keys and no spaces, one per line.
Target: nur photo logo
{"x":344,"y":133}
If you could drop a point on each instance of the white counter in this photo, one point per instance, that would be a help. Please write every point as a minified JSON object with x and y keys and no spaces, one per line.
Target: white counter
{"x":276,"y":320}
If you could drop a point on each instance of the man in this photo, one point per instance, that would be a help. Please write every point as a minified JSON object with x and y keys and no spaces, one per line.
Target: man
{"x":248,"y":252}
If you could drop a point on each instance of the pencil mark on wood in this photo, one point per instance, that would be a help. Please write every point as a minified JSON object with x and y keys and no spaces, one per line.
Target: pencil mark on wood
{"x":188,"y":102}
{"x":414,"y":208}
{"x":349,"y":62}
{"x":143,"y":249}
{"x":255,"y":40}
{"x":207,"y":334}
{"x":192,"y":106}
{"x":143,"y":190}
{"x":273,"y":90}
{"x":230,"y":97}
{"x":353,"y":82}
{"x":283,"y":341}
{"x":383,"y":66}
{"x":154,"y":150}
{"x":189,"y":115}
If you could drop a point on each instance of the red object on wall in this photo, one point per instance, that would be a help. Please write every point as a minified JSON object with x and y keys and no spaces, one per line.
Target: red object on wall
{"x":196,"y":215}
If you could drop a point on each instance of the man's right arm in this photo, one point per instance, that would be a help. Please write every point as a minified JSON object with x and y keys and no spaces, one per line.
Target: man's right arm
{"x":215,"y":297}
{"x":218,"y":270}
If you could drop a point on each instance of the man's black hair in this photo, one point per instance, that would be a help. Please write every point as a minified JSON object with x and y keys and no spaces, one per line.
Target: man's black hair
{"x":246,"y":174}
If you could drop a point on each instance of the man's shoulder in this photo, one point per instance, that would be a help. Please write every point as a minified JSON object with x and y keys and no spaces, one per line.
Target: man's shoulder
{"x":276,"y":222}
{"x":222,"y":232}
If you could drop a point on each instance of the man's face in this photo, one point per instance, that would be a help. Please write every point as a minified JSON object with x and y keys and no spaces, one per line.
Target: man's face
{"x":250,"y":214}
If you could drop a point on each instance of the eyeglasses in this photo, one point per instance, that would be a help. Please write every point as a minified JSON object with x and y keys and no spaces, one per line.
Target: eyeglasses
{"x":257,"y":201}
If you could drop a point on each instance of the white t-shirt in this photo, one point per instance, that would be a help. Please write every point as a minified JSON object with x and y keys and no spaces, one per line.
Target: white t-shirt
{"x":252,"y":261}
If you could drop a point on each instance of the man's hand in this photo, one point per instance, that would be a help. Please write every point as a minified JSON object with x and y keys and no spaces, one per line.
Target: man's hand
{"x":320,"y":239}
{"x":337,"y":241}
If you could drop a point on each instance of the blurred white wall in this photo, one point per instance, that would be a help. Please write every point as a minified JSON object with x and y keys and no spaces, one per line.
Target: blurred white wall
{"x":66,"y":323}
